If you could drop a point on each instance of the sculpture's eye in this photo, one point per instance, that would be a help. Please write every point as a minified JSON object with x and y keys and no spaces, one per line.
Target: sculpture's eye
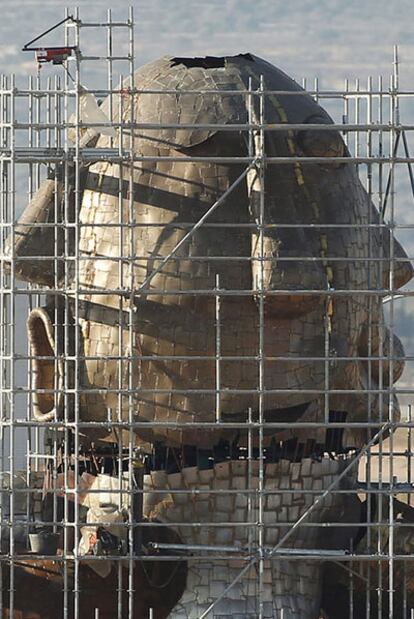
{"x":321,"y":142}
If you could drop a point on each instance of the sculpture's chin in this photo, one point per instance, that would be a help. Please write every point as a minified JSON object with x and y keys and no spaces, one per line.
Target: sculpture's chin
{"x":47,"y":367}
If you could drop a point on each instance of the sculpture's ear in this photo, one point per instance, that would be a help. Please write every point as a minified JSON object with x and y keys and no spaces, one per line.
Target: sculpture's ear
{"x":52,"y":376}
{"x":47,"y":404}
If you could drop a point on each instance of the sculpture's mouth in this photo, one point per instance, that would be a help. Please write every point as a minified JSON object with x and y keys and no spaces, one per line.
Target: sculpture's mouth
{"x":47,"y":367}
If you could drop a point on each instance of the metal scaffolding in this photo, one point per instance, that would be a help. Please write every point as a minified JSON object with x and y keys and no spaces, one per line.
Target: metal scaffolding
{"x":237,"y":520}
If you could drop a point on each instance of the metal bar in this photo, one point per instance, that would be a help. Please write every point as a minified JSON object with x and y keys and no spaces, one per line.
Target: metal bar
{"x":63,"y":21}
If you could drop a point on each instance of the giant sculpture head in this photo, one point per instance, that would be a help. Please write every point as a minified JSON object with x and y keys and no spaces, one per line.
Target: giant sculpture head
{"x":291,"y":257}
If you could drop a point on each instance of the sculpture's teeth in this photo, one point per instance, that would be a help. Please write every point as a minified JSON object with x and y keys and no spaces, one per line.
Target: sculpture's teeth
{"x":287,"y":584}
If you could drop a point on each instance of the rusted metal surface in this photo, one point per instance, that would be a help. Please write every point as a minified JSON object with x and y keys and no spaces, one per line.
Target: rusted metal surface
{"x":39,"y":585}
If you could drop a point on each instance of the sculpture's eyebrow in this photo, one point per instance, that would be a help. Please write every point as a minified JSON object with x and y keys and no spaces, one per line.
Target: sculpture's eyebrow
{"x":144,"y":194}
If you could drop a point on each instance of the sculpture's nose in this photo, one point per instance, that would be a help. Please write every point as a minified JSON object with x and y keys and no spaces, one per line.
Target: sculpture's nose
{"x":285,"y":250}
{"x":284,"y":269}
{"x":33,"y":245}
{"x":284,"y":254}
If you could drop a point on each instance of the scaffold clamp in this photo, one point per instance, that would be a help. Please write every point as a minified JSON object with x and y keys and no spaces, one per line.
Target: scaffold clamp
{"x":56,"y":54}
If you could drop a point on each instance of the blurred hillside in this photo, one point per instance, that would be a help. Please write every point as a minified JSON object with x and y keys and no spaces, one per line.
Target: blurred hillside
{"x":330,"y":39}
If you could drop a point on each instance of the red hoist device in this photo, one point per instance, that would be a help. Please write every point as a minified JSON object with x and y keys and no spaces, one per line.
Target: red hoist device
{"x":55,"y":55}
